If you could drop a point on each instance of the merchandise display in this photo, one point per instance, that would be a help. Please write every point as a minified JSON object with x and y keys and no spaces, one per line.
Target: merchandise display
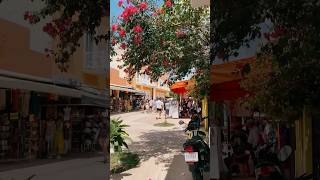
{"x":4,"y":135}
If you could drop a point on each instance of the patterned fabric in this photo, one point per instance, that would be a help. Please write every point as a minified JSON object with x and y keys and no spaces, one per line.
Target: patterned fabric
{"x":2,"y":99}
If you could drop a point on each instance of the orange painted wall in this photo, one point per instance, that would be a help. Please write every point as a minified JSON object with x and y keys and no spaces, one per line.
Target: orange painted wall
{"x":116,"y":79}
{"x":15,"y":54}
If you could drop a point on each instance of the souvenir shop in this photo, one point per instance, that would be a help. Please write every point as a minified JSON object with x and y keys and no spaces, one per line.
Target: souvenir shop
{"x":41,"y":125}
{"x":19,"y":123}
{"x":72,"y":127}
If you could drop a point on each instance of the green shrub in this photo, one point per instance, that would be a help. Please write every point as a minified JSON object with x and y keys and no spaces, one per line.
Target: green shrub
{"x":118,"y":134}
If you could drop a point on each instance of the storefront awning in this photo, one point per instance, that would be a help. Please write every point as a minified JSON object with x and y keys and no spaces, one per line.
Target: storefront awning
{"x":14,"y":83}
{"x":127,"y":89}
{"x":95,"y":100}
{"x":226,"y":78}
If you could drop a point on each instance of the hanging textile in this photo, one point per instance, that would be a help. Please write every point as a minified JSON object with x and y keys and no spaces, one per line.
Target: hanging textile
{"x":34,"y":104}
{"x":15,"y":101}
{"x":25,"y":103}
{"x":2,"y":99}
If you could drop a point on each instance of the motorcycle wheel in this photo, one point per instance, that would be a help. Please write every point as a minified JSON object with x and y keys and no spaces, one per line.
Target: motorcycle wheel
{"x":196,"y":173}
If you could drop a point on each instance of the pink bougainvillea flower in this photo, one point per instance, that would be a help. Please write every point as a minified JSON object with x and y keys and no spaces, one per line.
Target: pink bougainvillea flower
{"x":137,"y":29}
{"x":115,"y":27}
{"x":128,"y":11}
{"x":120,"y":3}
{"x":168,"y":4}
{"x":143,"y":6}
{"x":137,"y":39}
{"x":132,"y":10}
{"x":122,"y":32}
{"x":128,"y":1}
{"x":154,"y":14}
{"x":123,"y":45}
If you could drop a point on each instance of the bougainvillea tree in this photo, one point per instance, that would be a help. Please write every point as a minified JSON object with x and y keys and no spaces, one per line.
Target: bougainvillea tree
{"x":169,"y":39}
{"x":67,"y":22}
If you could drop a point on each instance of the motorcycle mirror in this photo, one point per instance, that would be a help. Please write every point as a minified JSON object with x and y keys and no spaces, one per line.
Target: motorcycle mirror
{"x":284,"y":153}
{"x":181,"y":122}
{"x":202,"y":133}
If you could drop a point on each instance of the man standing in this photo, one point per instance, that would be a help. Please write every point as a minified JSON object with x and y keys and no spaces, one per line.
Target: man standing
{"x":159,"y":106}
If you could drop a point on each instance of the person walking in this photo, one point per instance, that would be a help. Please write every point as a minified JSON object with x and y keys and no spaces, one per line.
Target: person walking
{"x":167,"y":108}
{"x":151,"y":104}
{"x":67,"y":137}
{"x":146,"y":106}
{"x":159,"y":106}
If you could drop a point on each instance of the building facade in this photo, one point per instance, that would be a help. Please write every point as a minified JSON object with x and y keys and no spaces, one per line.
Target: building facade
{"x":141,"y":82}
{"x":36,"y":96}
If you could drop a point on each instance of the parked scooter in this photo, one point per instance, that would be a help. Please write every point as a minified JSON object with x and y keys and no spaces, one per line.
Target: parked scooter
{"x":268,"y":165}
{"x":196,"y":151}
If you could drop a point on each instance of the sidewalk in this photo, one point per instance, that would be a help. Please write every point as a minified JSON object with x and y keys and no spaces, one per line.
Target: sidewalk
{"x":13,"y":165}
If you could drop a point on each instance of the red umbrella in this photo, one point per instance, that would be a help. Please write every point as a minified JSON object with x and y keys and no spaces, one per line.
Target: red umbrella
{"x":179,"y":87}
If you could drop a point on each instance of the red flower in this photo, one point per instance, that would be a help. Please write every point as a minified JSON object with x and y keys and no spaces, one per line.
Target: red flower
{"x":137,"y":29}
{"x":27,"y":15}
{"x":115,"y":27}
{"x":168,"y":4}
{"x":267,"y":36}
{"x":50,"y":29}
{"x":161,"y":11}
{"x":132,"y":10}
{"x":165,"y":62}
{"x":179,"y":34}
{"x":123,"y":45}
{"x":113,"y":41}
{"x":143,"y":6}
{"x":120,"y":3}
{"x":137,"y":39}
{"x":122,"y":32}
{"x":127,"y":12}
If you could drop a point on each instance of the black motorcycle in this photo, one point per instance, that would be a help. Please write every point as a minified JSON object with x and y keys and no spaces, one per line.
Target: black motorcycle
{"x":268,"y":163}
{"x":196,"y":150}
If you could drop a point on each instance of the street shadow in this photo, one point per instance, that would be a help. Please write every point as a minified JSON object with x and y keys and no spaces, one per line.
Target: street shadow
{"x":119,"y":176}
{"x":157,"y":144}
{"x":178,"y":169}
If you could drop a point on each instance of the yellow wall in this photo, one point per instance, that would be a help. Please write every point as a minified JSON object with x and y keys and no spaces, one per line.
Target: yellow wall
{"x":205,"y":111}
{"x":303,"y":153}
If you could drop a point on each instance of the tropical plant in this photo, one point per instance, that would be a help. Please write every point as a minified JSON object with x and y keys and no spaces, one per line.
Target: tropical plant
{"x":118,"y":135}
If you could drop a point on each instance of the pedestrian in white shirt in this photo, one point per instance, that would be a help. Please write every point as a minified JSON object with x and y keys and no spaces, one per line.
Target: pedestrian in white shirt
{"x":159,"y":106}
{"x":151,"y":104}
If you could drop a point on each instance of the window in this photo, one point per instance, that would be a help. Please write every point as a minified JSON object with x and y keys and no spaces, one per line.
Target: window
{"x":89,"y":64}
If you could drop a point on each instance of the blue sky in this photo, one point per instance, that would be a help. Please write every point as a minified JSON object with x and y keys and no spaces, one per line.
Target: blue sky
{"x":115,"y":11}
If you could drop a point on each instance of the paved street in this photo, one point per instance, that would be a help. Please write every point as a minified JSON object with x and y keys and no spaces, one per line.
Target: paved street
{"x":79,"y":169}
{"x":159,"y":149}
